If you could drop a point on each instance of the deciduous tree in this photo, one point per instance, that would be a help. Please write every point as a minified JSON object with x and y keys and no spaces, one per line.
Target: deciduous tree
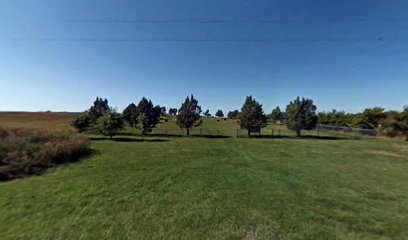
{"x":301,"y":115}
{"x":82,"y":123}
{"x":110,"y":123}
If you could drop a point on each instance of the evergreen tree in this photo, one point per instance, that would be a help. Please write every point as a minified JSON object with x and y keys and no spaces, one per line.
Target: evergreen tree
{"x":189,"y":114}
{"x":219,"y":114}
{"x":233,"y":114}
{"x":99,"y":108}
{"x":207,"y":113}
{"x":252,"y":115}
{"x":301,"y":115}
{"x":130,"y":114}
{"x":276,"y":115}
{"x":163,"y":111}
{"x":173,"y":111}
{"x":146,"y":108}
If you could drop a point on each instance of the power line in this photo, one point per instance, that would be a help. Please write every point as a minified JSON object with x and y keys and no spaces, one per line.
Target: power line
{"x":379,"y":39}
{"x":220,"y":21}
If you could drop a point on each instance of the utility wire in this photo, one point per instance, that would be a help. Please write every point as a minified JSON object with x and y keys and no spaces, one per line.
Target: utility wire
{"x":379,"y":39}
{"x":219,"y":21}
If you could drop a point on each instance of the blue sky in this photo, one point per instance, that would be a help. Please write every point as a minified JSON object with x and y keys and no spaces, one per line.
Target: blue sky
{"x":60,"y":55}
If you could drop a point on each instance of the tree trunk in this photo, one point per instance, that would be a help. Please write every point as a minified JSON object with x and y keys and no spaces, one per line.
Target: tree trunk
{"x":188,"y":131}
{"x":249,"y":133}
{"x":298,"y":132}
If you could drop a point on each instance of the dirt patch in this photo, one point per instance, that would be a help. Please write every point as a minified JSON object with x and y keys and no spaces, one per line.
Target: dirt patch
{"x":384,"y":153}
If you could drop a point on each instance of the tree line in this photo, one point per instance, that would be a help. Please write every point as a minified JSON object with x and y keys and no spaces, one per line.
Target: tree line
{"x":300,"y":114}
{"x":389,"y":123}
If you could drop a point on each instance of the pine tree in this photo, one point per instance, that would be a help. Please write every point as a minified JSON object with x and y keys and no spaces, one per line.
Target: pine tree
{"x":163,"y":111}
{"x":207,"y":113}
{"x":173,"y":111}
{"x":189,"y":114}
{"x":99,"y":108}
{"x":252,"y":115}
{"x":146,"y":108}
{"x":276,"y":115}
{"x":233,"y":114}
{"x":130,"y":114}
{"x":219,"y":114}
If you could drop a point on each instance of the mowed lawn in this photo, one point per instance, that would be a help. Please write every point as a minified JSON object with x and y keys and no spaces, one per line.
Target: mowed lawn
{"x":200,"y":188}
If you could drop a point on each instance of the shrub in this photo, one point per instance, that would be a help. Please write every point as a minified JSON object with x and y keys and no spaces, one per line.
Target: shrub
{"x":82,"y":123}
{"x":28,"y":151}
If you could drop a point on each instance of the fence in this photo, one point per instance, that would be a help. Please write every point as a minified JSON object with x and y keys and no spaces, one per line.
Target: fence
{"x":347,"y":130}
{"x":222,"y":133}
{"x":321,"y":130}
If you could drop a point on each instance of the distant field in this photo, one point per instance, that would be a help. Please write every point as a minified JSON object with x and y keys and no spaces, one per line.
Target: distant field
{"x":45,"y":120}
{"x":216,"y":188}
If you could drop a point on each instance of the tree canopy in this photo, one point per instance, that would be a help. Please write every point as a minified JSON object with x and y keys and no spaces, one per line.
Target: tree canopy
{"x":110,"y":123}
{"x":276,"y":115}
{"x":233,"y":114}
{"x":219,"y":114}
{"x":252,"y":115}
{"x":207,"y":113}
{"x":130,"y":114}
{"x":82,"y":123}
{"x":173,"y":111}
{"x":189,"y":114}
{"x":99,"y":108}
{"x":301,"y":115}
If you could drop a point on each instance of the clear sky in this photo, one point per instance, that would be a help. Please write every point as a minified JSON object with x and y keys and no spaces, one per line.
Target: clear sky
{"x":344,"y":54}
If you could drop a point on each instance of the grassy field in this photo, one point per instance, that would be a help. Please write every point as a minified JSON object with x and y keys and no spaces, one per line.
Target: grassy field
{"x":44,"y":120}
{"x":216,"y":188}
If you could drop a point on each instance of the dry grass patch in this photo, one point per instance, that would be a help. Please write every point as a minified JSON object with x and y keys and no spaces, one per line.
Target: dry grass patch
{"x":28,"y":151}
{"x":384,"y":153}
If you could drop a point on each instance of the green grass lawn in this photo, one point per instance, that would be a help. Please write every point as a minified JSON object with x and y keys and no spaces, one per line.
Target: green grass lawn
{"x":211,"y":127}
{"x":232,"y":188}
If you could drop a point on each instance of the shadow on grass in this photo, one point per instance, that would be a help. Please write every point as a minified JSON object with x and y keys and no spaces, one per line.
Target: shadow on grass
{"x":304,"y":137}
{"x":175,"y":135}
{"x":191,"y":136}
{"x":124,"y":139}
